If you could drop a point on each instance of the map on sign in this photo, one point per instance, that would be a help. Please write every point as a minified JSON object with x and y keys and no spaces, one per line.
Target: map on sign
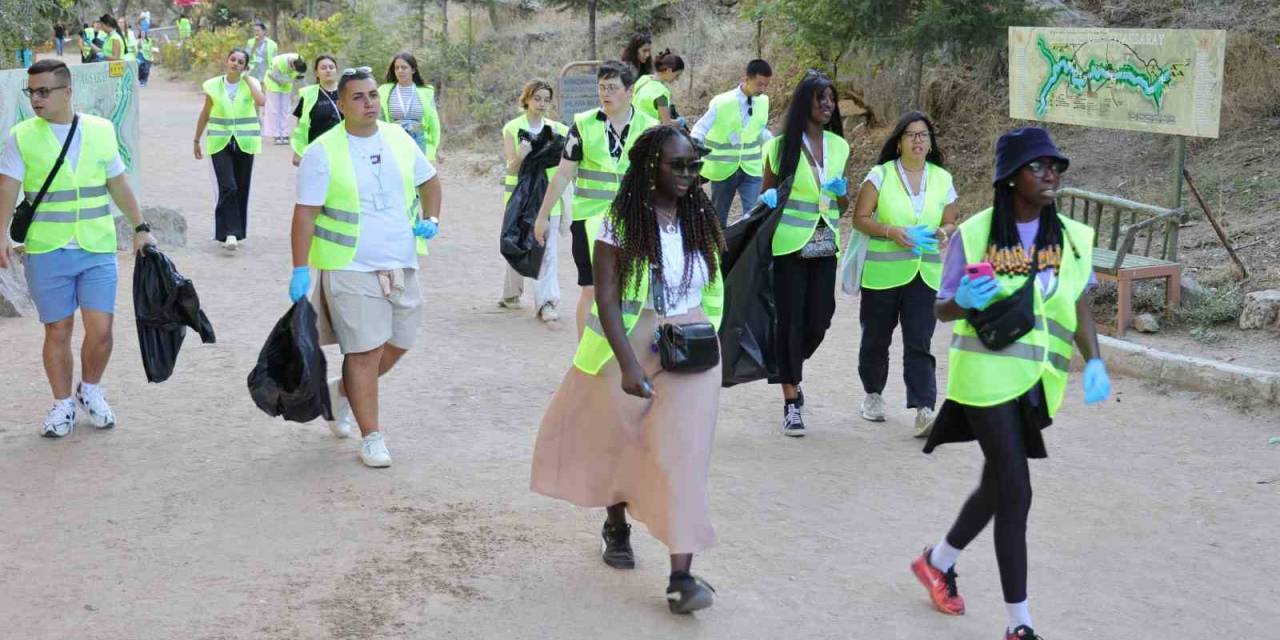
{"x":1153,"y":80}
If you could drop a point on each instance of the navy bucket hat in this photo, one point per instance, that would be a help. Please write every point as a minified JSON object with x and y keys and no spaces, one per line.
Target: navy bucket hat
{"x":1020,"y":146}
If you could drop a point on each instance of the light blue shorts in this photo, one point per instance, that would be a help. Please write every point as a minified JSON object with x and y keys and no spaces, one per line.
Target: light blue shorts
{"x":64,"y":279}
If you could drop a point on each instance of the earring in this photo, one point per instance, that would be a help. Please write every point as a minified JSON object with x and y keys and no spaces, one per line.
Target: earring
{"x":1011,"y":183}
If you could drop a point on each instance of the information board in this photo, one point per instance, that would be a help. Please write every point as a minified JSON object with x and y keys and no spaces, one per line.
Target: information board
{"x":1153,"y":80}
{"x":578,"y":91}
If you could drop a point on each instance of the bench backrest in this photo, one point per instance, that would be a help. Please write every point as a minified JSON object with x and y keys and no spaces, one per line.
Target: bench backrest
{"x":1124,"y":226}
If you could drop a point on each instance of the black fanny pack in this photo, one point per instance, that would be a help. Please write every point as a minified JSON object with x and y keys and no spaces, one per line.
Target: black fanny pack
{"x":1005,"y":321}
{"x":693,"y":347}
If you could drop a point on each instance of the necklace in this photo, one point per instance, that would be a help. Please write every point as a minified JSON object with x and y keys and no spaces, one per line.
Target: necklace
{"x":665,"y":220}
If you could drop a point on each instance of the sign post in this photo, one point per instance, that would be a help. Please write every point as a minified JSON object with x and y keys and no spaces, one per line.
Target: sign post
{"x":578,"y":91}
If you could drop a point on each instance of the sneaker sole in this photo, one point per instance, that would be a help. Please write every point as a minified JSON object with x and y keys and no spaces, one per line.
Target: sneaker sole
{"x":872,"y":418}
{"x":924,"y":582}
{"x":701,"y":600}
{"x":54,"y":436}
{"x":89,"y":418}
{"x":793,"y":433}
{"x":380,"y":465}
{"x":616,"y":564}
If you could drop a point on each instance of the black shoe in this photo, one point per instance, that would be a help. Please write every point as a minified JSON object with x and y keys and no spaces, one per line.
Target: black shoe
{"x":1023,"y":632}
{"x":616,"y":547}
{"x":799,"y":396}
{"x":687,"y":593}
{"x":792,"y":421}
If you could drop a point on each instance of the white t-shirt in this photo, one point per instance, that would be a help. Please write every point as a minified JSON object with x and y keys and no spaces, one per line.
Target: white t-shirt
{"x":386,"y":238}
{"x":232,"y":88}
{"x":876,"y":178}
{"x":11,"y":163}
{"x":672,"y":270}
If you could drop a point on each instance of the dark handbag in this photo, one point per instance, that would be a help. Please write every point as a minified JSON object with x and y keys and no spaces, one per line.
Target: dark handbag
{"x":1004,"y":322}
{"x":25,"y":212}
{"x":683,"y":348}
{"x":822,"y":244}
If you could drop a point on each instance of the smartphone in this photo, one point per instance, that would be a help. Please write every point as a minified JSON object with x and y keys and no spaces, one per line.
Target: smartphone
{"x":976,"y":271}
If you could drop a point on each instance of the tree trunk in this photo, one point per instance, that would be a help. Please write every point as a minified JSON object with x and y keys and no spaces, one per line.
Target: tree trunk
{"x":493,"y":13}
{"x":760,"y":38}
{"x":420,"y":12}
{"x":591,"y":28}
{"x":444,"y":39}
{"x":471,"y":41}
{"x":275,"y":23}
{"x":917,"y":80}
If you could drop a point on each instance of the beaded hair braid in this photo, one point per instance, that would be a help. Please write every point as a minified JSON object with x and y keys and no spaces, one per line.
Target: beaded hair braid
{"x":635,"y":224}
{"x":1004,"y":247}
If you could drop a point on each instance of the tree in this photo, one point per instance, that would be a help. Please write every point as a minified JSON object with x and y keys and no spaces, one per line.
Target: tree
{"x":594,"y":8}
{"x":25,"y":22}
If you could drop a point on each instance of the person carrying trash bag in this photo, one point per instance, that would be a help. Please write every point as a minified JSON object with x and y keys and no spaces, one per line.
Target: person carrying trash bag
{"x":289,"y":379}
{"x":531,"y":145}
{"x":164,"y":304}
{"x":358,"y":221}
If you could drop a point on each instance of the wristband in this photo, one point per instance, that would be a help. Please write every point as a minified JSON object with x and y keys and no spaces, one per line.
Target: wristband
{"x":142,"y":227}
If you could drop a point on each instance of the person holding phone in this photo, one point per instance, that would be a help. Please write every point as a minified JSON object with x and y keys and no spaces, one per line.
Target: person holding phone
{"x":1004,"y":397}
{"x":621,"y":432}
{"x":907,"y":206}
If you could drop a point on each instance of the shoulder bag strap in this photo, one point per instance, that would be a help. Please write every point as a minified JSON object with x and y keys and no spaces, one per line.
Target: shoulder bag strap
{"x":71,"y":134}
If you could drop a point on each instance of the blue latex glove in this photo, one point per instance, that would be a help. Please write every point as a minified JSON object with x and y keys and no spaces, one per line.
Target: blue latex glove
{"x":976,"y":294}
{"x":425,"y":229}
{"x":1097,"y":385}
{"x":770,"y":198}
{"x":299,"y":283}
{"x":924,"y":239}
{"x":836,"y":187}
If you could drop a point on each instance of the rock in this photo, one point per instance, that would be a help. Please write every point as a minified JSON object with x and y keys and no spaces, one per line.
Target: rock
{"x":15,"y":299}
{"x":1193,"y":292}
{"x":1261,"y":310}
{"x":167,"y":225}
{"x":1146,"y":323}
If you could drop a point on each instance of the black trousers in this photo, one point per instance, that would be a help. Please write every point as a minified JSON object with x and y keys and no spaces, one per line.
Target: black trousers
{"x":581,"y":252}
{"x":805,"y":295}
{"x":1003,"y":495}
{"x":880,"y":313}
{"x":234,"y":169}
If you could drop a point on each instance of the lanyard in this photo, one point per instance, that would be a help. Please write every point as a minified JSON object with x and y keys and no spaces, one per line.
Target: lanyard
{"x":404,"y":111}
{"x":906,"y":186}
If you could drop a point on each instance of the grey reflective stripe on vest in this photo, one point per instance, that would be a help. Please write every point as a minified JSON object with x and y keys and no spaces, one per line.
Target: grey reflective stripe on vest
{"x":95,"y":212}
{"x":55,"y":216}
{"x":335,"y":237}
{"x":1062,"y":333}
{"x":1060,"y":362}
{"x":599,"y":176}
{"x":629,"y":308}
{"x":231,"y":122}
{"x":349,"y":217}
{"x":593,"y":324}
{"x":715,"y":158}
{"x":797,"y":221}
{"x":1020,"y":350}
{"x":802,"y":206}
{"x":932,"y":257}
{"x":69,"y":195}
{"x":895,"y":256}
{"x":594,"y":194}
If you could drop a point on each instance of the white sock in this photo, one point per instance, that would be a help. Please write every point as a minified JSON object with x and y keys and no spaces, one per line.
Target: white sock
{"x":86,"y":387}
{"x":1019,"y":614}
{"x":943,"y":556}
{"x":67,"y":404}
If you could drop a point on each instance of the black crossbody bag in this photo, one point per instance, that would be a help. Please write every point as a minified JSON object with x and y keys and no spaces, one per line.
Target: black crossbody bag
{"x":693,"y":347}
{"x":25,"y":212}
{"x":1004,"y":322}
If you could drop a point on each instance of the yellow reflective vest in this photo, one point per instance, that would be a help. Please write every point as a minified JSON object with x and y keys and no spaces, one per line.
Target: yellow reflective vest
{"x":430,"y":115}
{"x":232,"y":119}
{"x":271,"y":48}
{"x":512,"y":130}
{"x":980,"y":377}
{"x":280,"y":74}
{"x":747,"y":153}
{"x":646,"y":90}
{"x":77,"y":205}
{"x":803,"y":210}
{"x":888,"y":264}
{"x":599,"y":175}
{"x":337,"y":230}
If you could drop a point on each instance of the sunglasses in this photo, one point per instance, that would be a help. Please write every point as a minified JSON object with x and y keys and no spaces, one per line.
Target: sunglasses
{"x":1038,"y":167}
{"x":352,"y":72}
{"x":686,"y":167}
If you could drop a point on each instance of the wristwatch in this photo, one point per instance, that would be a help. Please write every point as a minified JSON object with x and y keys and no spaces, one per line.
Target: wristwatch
{"x":142,"y":227}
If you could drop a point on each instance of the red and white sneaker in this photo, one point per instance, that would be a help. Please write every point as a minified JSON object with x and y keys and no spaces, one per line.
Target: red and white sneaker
{"x":1023,"y":632}
{"x":941,"y":586}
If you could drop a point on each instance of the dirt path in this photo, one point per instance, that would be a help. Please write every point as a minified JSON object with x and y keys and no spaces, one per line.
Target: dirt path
{"x":201,"y":518}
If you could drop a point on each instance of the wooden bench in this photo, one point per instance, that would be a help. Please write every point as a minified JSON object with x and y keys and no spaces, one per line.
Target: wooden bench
{"x":1134,"y":241}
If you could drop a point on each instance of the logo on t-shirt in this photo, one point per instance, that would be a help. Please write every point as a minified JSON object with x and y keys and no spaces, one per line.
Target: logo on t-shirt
{"x":375,"y":158}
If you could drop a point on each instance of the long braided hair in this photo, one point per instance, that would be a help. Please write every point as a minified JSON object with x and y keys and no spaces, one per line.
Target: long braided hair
{"x":1004,"y":247}
{"x":635,"y":224}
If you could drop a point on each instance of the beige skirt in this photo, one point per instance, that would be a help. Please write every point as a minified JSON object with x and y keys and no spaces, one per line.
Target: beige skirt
{"x":599,"y":446}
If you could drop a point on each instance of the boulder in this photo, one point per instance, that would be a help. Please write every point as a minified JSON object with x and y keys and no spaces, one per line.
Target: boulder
{"x":1193,"y":293}
{"x":167,"y":225}
{"x":15,"y":300}
{"x":1261,"y":310}
{"x":1146,"y":323}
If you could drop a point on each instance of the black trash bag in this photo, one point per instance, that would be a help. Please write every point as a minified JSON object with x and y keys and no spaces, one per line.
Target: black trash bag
{"x":516,"y":242}
{"x":289,"y":379}
{"x":750,"y":317}
{"x":164,"y":304}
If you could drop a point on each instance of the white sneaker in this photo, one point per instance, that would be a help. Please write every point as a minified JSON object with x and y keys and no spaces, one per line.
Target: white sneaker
{"x":230,"y":244}
{"x":343,"y":418}
{"x":95,"y":405}
{"x":924,"y":422}
{"x":373,"y":451}
{"x":549,"y":313}
{"x":60,"y":420}
{"x":873,"y":407}
{"x":511,"y":303}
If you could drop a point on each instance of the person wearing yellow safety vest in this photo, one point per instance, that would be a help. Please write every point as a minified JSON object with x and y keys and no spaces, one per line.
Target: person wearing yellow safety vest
{"x":813,"y":153}
{"x":317,"y":110}
{"x":652,"y":93}
{"x":130,"y":41}
{"x":262,"y":50}
{"x":735,"y":129}
{"x":358,"y":221}
{"x":1003,"y":397}
{"x":621,"y":432}
{"x":906,"y":206}
{"x":70,"y":245}
{"x":407,"y":100}
{"x":146,"y":57}
{"x":517,"y":143}
{"x":283,"y":71}
{"x":184,"y":28}
{"x":113,"y":46}
{"x":594,"y":161}
{"x":86,"y":43}
{"x":230,"y":117}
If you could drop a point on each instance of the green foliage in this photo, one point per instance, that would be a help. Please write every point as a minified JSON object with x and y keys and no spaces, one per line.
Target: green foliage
{"x":317,"y":36}
{"x":1219,"y":306}
{"x":205,"y":52}
{"x":26,"y":22}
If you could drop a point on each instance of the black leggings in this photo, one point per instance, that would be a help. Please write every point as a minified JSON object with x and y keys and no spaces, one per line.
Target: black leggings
{"x":1004,"y":493}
